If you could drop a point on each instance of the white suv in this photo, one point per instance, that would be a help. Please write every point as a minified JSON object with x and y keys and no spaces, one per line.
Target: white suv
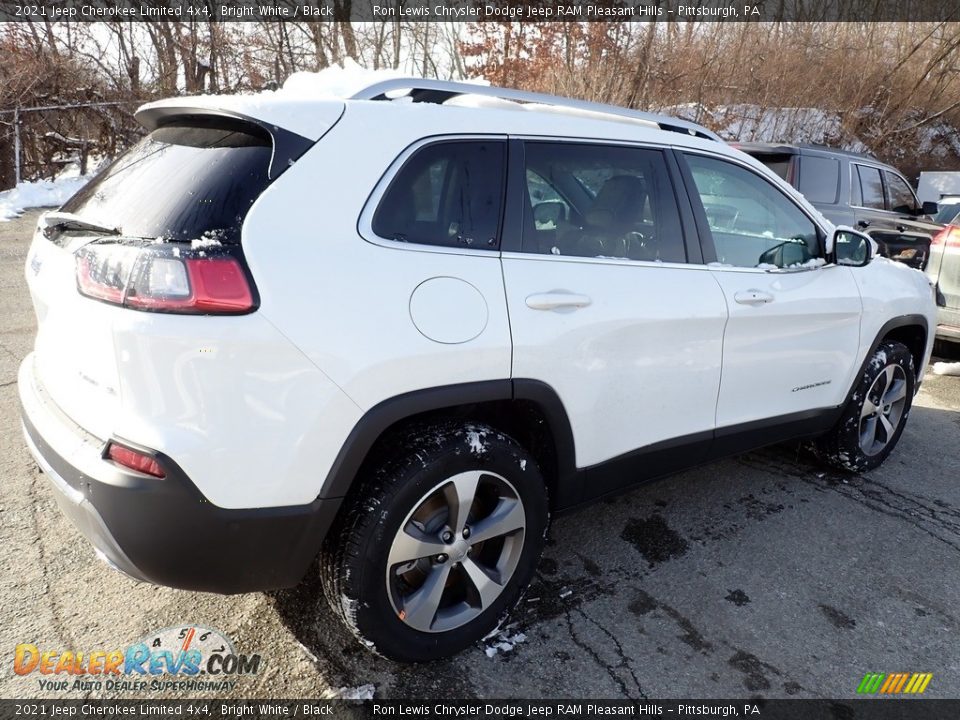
{"x":398,"y":331}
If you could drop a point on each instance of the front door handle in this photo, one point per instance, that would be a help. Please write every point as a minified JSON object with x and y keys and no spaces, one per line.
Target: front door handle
{"x":753,"y":297}
{"x":557,"y":300}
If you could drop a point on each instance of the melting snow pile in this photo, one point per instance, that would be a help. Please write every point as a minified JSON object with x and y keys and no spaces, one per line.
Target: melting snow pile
{"x":942,"y":368}
{"x":39,"y":193}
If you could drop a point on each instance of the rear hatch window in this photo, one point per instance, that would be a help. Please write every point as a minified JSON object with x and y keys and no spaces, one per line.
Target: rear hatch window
{"x":181,"y":182}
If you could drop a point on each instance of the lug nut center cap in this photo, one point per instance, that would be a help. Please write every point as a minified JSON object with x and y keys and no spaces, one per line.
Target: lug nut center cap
{"x":459,"y":550}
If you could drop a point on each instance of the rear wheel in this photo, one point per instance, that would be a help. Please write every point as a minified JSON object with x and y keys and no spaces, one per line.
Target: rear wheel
{"x":439,"y":543}
{"x":876,"y":413}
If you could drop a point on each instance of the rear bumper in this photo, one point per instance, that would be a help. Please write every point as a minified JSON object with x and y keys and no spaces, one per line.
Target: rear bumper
{"x":164,"y":531}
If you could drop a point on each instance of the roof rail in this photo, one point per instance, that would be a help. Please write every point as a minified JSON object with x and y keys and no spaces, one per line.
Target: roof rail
{"x":439,"y":91}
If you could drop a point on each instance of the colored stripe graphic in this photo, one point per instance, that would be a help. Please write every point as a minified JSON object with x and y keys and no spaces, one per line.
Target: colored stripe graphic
{"x":894,"y":683}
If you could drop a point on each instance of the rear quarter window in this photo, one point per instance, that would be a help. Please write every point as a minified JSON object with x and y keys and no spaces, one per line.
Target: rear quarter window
{"x":820,"y":179}
{"x":779,"y":163}
{"x":447,"y":194}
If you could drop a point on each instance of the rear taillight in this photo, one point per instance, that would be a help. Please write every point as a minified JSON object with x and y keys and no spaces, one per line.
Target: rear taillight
{"x":135,"y":460}
{"x":948,"y":237}
{"x":165,"y":277}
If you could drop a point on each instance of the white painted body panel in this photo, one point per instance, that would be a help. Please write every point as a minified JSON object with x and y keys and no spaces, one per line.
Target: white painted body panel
{"x":640,"y":364}
{"x":796,"y":352}
{"x":890,"y":290}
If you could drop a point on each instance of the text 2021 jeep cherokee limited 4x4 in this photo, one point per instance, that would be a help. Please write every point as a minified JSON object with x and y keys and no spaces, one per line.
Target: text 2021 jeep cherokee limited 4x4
{"x":398,"y":335}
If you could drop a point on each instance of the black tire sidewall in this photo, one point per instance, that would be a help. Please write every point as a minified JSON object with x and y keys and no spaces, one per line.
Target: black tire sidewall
{"x":845,"y":448}
{"x":376,"y":620}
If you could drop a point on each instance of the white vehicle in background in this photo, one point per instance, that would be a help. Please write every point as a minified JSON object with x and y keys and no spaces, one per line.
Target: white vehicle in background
{"x":399,"y":335}
{"x":944,"y":268}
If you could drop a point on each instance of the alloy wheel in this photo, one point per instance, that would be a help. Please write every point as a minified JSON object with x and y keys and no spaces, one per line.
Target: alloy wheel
{"x":883,"y":409}
{"x":455,"y":553}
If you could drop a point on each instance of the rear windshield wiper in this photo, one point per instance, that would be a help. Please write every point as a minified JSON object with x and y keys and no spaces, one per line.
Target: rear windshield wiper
{"x":55,"y":223}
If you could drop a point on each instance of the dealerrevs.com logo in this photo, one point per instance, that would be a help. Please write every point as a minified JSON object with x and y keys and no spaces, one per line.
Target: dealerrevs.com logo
{"x":190,"y":657}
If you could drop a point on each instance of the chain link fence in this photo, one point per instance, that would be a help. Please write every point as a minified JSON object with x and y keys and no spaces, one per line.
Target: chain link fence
{"x":37,"y":142}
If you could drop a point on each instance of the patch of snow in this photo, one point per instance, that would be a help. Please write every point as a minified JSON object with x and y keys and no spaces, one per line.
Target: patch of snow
{"x":361,"y":692}
{"x":554,"y":250}
{"x":566,"y":594}
{"x":767,"y":266}
{"x":523,"y":464}
{"x":306,"y":651}
{"x":475,"y":439}
{"x":38,"y":193}
{"x":210,"y":238}
{"x":504,"y":643}
{"x":943,"y":368}
{"x":814,"y":263}
{"x":333,"y":82}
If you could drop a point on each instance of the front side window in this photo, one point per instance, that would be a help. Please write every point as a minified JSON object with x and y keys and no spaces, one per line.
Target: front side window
{"x":902,"y":199}
{"x":871,"y":186}
{"x":751,"y":222}
{"x":600,"y":201}
{"x":447,"y":194}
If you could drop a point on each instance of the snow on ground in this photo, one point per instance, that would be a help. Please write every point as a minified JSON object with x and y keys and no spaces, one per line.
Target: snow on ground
{"x":503,"y":642}
{"x":362,"y":692}
{"x":42,"y":193}
{"x":943,"y":368}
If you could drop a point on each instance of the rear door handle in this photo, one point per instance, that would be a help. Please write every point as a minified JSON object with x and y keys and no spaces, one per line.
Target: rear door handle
{"x":753,"y":297}
{"x":557,"y":300}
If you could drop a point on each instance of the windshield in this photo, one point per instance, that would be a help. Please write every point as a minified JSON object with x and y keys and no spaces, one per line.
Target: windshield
{"x":180,"y":183}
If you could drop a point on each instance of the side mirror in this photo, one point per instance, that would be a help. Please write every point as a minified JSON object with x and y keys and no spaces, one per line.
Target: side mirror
{"x":929,"y":208}
{"x":853,"y":248}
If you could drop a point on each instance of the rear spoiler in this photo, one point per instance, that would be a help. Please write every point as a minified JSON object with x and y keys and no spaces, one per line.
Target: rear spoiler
{"x":287,"y":145}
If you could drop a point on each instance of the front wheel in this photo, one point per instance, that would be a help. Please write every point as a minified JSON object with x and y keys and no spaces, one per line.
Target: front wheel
{"x":876,"y":413}
{"x":439,"y":542}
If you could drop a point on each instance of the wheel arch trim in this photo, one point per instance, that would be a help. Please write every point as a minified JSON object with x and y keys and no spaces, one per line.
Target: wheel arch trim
{"x":387,"y":413}
{"x":901,"y":321}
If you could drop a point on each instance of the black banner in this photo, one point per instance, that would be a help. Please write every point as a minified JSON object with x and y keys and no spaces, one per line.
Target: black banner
{"x":873,"y":709}
{"x":479,"y":10}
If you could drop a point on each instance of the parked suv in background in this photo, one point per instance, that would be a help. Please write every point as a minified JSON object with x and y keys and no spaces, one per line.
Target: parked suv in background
{"x":856,"y":190}
{"x":271,"y":331}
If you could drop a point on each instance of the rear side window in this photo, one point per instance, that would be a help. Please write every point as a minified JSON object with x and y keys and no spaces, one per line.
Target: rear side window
{"x":447,"y":194}
{"x":871,"y":186}
{"x":901,"y":196}
{"x":600,"y":201}
{"x":820,"y":179}
{"x":181,"y":182}
{"x":781,"y":164}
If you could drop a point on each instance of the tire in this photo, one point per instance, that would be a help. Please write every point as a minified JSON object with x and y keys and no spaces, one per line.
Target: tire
{"x":875,"y":414}
{"x":397,"y":569}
